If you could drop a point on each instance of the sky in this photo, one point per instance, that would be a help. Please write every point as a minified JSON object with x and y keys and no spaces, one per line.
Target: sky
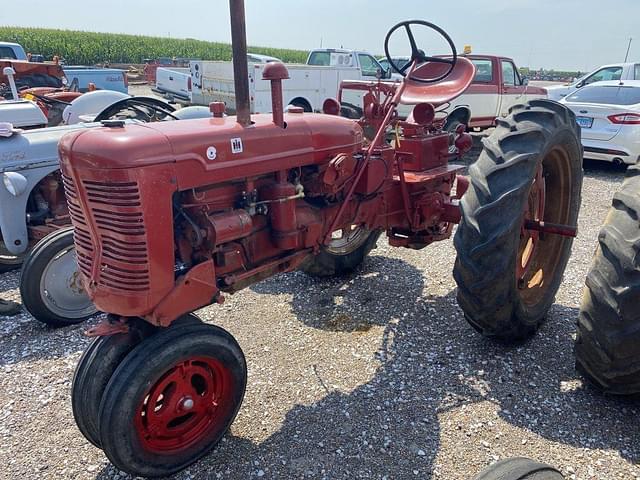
{"x":558,"y":34}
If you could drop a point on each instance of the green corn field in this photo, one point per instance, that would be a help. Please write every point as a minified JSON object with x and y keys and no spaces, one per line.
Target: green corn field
{"x":89,"y":48}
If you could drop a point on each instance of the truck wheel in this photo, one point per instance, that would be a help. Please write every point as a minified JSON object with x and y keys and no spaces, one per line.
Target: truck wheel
{"x":172,"y":399}
{"x":302,"y":103}
{"x":95,"y":368}
{"x":530,"y":169}
{"x":519,"y":469}
{"x":346,"y":251}
{"x":9,"y":261}
{"x":608,"y":341}
{"x":50,"y":285}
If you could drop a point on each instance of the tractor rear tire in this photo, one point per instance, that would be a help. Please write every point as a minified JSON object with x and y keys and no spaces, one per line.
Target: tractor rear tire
{"x":608,"y":340}
{"x":342,"y":257}
{"x":507,"y":276}
{"x":519,"y":469}
{"x":49,"y":283}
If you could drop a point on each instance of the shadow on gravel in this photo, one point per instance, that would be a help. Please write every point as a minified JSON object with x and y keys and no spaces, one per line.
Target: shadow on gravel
{"x":430,"y":363}
{"x":597,"y":167}
{"x":24,"y":339}
{"x":353,"y":302}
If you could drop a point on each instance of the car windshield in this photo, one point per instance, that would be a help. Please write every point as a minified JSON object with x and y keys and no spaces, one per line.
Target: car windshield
{"x":607,"y":95}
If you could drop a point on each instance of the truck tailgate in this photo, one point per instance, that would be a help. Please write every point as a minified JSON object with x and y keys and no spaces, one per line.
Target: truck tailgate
{"x":175,"y":81}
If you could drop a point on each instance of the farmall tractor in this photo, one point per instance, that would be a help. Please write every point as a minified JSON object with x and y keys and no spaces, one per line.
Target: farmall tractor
{"x":171,"y":217}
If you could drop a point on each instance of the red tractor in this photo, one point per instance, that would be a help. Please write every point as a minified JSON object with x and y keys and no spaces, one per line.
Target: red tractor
{"x":170,"y":217}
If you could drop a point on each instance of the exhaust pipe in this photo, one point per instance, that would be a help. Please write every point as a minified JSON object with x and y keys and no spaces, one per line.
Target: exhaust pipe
{"x":240,"y":65}
{"x":9,"y":72}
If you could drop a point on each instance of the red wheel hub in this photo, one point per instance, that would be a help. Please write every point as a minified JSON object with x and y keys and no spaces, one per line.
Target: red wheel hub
{"x":184,"y":405}
{"x":534,"y":211}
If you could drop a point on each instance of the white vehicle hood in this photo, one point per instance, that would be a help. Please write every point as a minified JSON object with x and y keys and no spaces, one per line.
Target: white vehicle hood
{"x":556,"y":92}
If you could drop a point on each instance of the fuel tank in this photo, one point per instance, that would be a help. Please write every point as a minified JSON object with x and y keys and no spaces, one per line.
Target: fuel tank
{"x":120,"y":182}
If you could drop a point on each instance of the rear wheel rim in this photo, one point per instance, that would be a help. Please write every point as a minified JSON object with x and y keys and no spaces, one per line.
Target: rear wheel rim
{"x":61,"y":289}
{"x":184,"y":406}
{"x":539,"y":255}
{"x":529,"y":239}
{"x":347,"y":239}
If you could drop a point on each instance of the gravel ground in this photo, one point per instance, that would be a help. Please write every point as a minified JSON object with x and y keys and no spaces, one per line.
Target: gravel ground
{"x":372,"y":376}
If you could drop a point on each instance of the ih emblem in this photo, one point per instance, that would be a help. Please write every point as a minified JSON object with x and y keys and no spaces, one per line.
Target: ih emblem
{"x":236,"y":145}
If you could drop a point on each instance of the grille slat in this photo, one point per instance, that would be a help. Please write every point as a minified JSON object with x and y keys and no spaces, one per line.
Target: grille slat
{"x":124,"y":263}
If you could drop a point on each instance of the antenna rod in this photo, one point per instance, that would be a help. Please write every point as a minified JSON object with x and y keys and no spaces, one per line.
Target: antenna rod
{"x":626,"y":57}
{"x":240,"y":64}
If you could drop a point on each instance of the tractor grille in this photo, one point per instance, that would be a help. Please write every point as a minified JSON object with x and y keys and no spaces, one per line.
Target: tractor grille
{"x":115,"y":208}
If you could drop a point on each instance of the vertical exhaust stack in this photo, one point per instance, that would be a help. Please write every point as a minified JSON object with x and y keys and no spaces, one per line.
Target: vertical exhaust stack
{"x":240,"y":64}
{"x":275,"y":72}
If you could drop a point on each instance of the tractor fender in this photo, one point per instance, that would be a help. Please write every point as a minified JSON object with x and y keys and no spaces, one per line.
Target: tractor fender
{"x":13,"y":209}
{"x":461,"y":113}
{"x":89,"y":105}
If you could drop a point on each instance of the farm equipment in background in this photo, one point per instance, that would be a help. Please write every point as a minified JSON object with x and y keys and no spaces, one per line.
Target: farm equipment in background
{"x":608,"y":341}
{"x":171,"y":217}
{"x":33,"y":210}
{"x":43,"y":84}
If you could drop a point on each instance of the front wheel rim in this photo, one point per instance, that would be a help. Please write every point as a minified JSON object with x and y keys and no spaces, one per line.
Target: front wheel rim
{"x":61,"y":288}
{"x":184,"y":406}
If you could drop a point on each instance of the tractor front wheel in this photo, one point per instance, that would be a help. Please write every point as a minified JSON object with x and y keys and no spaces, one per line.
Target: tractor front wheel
{"x":50,"y":283}
{"x":530,"y":171}
{"x":608,"y":340}
{"x":346,"y":250}
{"x":172,"y":399}
{"x":96,"y":366}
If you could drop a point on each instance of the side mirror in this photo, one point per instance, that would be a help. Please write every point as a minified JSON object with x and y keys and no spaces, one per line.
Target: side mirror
{"x":525,"y":81}
{"x":581,"y":84}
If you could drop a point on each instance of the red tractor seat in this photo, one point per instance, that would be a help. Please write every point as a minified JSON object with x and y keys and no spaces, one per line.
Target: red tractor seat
{"x":442,"y":92}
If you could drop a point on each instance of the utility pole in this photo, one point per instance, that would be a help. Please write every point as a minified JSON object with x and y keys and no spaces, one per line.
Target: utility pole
{"x":626,"y":57}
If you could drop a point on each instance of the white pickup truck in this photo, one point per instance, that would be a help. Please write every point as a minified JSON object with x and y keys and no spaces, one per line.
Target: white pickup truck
{"x":308,"y":87}
{"x":616,"y":71}
{"x":174,"y":83}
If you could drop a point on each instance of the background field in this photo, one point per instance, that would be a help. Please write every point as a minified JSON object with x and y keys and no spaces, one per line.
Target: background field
{"x":78,"y":47}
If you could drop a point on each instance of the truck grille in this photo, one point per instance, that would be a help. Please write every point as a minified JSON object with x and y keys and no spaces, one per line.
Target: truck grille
{"x":115,"y":208}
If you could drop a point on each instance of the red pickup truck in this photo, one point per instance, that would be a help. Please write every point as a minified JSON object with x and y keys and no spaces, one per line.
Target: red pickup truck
{"x":496,"y":87}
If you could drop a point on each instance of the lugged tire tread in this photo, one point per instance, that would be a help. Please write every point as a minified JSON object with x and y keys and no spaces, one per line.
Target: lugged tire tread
{"x":500,"y":179}
{"x":608,"y":340}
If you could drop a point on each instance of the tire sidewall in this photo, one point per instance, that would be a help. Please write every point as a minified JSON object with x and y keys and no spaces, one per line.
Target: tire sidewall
{"x":125,"y":391}
{"x":33,"y":268}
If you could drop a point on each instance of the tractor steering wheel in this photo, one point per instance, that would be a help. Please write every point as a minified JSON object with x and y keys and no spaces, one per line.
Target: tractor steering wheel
{"x":419,"y":55}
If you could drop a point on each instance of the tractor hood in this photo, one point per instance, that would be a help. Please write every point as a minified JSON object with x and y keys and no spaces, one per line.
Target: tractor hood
{"x":34,"y":148}
{"x":219,"y":147}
